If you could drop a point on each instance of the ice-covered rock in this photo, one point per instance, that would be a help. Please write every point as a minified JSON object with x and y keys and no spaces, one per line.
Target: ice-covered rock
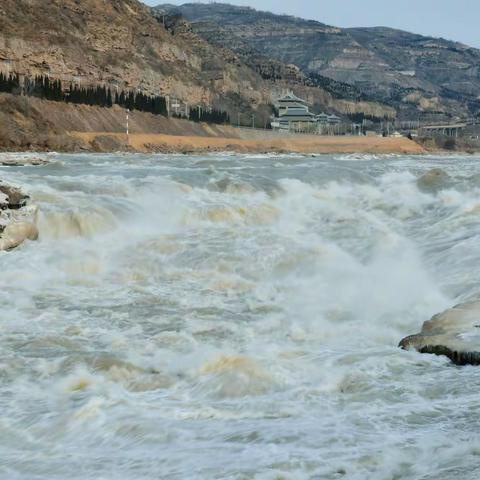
{"x":16,"y":233}
{"x":15,"y":197}
{"x":3,"y":201}
{"x":17,"y":219}
{"x":454,"y":333}
{"x":23,"y":161}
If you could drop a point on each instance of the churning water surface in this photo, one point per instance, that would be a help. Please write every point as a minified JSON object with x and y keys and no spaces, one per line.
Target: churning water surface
{"x":237,"y":317}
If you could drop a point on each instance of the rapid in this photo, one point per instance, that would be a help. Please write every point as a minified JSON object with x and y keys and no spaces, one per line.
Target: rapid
{"x":237,"y":317}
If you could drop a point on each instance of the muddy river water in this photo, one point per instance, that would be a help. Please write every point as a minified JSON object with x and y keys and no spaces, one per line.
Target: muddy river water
{"x":237,"y":317}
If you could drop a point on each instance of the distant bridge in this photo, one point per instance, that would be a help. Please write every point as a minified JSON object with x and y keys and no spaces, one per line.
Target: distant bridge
{"x":450,"y":129}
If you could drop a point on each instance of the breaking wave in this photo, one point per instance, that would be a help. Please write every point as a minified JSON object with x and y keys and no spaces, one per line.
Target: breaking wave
{"x":237,"y":317}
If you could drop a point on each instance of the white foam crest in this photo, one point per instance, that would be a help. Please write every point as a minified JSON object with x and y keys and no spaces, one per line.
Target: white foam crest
{"x":185,"y":320}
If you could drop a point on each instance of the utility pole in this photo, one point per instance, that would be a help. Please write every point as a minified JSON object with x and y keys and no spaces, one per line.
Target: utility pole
{"x":253,"y":121}
{"x":238,"y":119}
{"x":127,"y":112}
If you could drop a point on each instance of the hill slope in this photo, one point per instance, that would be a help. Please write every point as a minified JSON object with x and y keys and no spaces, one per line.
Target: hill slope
{"x":413,"y":73}
{"x":120,"y":43}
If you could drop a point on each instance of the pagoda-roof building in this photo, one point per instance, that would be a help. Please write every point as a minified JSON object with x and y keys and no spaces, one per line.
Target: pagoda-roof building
{"x":294,"y":111}
{"x":290,"y":98}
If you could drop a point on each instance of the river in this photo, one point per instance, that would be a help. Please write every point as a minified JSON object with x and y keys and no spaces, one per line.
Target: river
{"x":237,"y":317}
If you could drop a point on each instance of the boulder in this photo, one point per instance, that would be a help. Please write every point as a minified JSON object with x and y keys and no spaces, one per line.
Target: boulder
{"x":17,"y":219}
{"x":28,"y":214}
{"x":454,"y":333}
{"x":16,"y":233}
{"x":433,"y":180}
{"x":16,"y":198}
{"x":23,"y":162}
{"x":4,"y":219}
{"x":3,"y":201}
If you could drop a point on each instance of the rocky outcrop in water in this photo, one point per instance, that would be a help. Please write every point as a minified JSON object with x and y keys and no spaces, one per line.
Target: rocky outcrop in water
{"x":23,"y":162}
{"x":434,"y":179}
{"x":454,"y":333}
{"x":12,"y":197}
{"x":17,"y":218}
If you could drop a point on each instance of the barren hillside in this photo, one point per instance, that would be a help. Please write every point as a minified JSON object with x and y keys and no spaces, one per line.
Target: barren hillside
{"x":414,"y":74}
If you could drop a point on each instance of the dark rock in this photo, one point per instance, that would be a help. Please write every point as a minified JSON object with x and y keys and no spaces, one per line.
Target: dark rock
{"x":454,"y":333}
{"x":16,"y":198}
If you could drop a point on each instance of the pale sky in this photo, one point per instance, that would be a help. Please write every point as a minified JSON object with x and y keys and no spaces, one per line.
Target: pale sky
{"x":452,"y":19}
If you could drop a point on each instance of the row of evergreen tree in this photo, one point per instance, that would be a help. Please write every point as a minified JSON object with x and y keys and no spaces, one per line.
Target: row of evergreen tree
{"x":360,"y":117}
{"x":99,"y":96}
{"x":140,"y":101}
{"x":43,"y":87}
{"x":199,"y":114}
{"x":10,"y":83}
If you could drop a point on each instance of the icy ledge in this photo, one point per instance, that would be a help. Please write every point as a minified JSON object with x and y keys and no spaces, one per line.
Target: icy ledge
{"x":454,"y":333}
{"x":17,"y":219}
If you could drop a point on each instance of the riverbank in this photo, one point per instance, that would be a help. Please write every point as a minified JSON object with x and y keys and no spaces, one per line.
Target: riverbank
{"x":31,"y":124}
{"x":161,"y":143}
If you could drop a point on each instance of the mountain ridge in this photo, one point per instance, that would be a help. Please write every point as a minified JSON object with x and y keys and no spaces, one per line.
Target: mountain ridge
{"x":415,"y":74}
{"x":120,"y":44}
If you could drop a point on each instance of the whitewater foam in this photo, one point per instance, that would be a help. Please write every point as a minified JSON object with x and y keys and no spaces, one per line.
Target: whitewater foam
{"x":237,"y":317}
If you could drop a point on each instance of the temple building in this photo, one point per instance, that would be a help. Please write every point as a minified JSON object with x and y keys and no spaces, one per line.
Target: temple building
{"x":293,"y":112}
{"x":294,"y":115}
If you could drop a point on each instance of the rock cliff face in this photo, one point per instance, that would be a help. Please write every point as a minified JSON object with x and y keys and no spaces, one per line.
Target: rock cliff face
{"x":119,"y":43}
{"x":412,"y":73}
{"x":92,"y":40}
{"x":238,"y":59}
{"x":322,"y":93}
